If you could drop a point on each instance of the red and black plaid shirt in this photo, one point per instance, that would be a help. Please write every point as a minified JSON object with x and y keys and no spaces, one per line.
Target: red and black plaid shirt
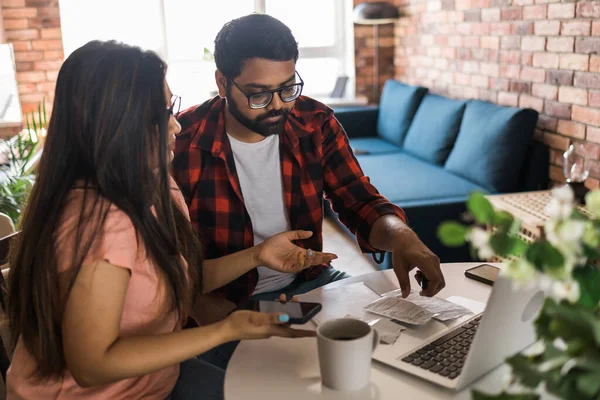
{"x":316,"y":161}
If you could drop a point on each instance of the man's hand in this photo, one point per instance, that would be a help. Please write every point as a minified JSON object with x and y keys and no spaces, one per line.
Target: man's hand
{"x":390,"y":233}
{"x":280,"y":253}
{"x":409,"y":253}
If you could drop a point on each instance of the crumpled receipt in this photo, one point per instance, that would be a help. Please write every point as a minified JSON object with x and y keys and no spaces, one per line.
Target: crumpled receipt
{"x":443,"y":310}
{"x":388,"y":331}
{"x":400,"y":310}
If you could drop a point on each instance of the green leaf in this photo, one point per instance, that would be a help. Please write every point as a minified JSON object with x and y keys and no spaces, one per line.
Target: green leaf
{"x":588,"y":278}
{"x":44,"y":110}
{"x":590,"y":252}
{"x":578,"y":215}
{"x":503,"y":244}
{"x":565,"y":387}
{"x":544,"y":256}
{"x":481,"y":208}
{"x":477,"y":395}
{"x":503,"y":220}
{"x":576,"y":347}
{"x":569,"y":322}
{"x":452,"y":234}
{"x":33,"y":123}
{"x":524,"y":371}
{"x":589,"y":384}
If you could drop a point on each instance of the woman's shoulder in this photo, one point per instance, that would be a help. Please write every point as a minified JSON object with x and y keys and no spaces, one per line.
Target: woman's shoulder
{"x":89,"y":218}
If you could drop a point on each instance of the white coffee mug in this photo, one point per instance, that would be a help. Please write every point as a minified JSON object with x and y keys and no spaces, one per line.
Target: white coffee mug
{"x":345,"y":349}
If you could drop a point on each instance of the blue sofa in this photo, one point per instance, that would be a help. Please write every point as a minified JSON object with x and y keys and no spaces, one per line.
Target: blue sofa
{"x":427,"y":153}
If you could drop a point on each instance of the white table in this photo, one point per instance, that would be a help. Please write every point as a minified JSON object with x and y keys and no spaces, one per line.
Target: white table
{"x":288,"y":369}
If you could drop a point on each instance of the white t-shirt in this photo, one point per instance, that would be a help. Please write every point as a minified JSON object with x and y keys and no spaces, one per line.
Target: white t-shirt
{"x":259,"y":171}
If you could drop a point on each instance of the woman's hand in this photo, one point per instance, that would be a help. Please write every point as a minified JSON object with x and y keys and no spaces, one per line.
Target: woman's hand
{"x":246,"y":325}
{"x":280,"y":254}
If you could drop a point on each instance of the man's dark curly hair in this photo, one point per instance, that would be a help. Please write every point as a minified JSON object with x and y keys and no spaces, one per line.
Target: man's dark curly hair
{"x":253,"y":36}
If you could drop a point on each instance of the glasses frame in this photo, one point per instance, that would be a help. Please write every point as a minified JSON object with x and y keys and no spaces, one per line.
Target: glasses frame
{"x":271,"y":92}
{"x":175,"y":104}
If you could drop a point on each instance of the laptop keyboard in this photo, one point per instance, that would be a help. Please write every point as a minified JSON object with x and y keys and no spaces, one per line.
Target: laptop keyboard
{"x":446,"y":355}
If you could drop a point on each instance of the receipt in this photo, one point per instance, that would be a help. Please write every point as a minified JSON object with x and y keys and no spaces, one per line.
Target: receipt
{"x":388,"y":331}
{"x":443,"y":310}
{"x":400,"y":310}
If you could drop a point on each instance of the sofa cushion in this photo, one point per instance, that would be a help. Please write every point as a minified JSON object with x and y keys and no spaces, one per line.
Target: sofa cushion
{"x":403,"y":178}
{"x":372,"y":145}
{"x":491,"y":145}
{"x":434,"y":128}
{"x":397,"y":107}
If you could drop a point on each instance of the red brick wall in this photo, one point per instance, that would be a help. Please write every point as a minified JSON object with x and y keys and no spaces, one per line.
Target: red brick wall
{"x":364,"y":55}
{"x":541,"y":54}
{"x":33,"y":28}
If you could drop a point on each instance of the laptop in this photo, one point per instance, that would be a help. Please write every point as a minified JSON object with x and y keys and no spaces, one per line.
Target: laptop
{"x":457,"y":357}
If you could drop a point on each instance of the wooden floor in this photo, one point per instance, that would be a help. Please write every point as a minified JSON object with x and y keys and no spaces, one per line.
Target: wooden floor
{"x":350,"y":259}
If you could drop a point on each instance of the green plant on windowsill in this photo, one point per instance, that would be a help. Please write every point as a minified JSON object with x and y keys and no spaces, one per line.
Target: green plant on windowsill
{"x":21,"y":154}
{"x":208,"y":55}
{"x":565,"y":361}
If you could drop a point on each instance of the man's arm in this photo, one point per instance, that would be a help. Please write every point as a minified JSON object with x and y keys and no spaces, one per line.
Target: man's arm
{"x":391,"y":234}
{"x":378,"y":224}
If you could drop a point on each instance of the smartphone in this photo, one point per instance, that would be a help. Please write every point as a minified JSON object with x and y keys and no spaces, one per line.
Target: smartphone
{"x":483,"y":273}
{"x":299,"y":312}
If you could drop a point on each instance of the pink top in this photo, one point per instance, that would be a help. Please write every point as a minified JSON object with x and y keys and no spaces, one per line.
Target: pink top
{"x":143,"y":312}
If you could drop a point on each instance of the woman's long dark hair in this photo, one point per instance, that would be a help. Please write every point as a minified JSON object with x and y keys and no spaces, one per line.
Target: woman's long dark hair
{"x":109,"y":130}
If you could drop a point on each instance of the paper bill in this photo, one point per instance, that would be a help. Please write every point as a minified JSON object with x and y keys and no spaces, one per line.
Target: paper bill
{"x":400,"y":310}
{"x":443,"y":310}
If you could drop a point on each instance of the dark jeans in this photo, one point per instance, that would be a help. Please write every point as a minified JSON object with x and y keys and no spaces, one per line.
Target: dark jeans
{"x":198,"y":379}
{"x":220,"y":356}
{"x":300,"y":287}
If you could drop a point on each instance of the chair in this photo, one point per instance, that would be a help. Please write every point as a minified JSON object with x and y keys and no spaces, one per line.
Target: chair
{"x":340,"y":87}
{"x":6,"y":226}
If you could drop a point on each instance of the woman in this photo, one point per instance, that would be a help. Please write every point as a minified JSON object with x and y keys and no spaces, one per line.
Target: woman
{"x":105,"y":272}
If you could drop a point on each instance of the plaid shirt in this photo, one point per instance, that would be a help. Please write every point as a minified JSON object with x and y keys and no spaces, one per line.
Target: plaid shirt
{"x":316,"y":161}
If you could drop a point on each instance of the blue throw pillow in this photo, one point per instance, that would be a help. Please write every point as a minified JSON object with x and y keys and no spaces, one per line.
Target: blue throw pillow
{"x":434,"y":128}
{"x":397,"y":107}
{"x":491,"y":145}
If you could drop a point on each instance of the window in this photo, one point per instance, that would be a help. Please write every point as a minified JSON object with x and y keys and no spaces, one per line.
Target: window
{"x":180,"y":30}
{"x":137,"y":22}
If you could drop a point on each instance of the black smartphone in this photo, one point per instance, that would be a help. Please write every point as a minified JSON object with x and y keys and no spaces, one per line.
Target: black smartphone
{"x":483,"y":273}
{"x":299,"y":312}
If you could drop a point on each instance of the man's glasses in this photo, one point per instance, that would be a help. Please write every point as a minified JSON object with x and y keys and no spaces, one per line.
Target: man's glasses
{"x":175,"y":105}
{"x":263,"y":99}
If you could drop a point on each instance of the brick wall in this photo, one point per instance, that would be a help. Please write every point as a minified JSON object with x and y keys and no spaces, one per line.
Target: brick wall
{"x":364,"y":55}
{"x":542,"y":54}
{"x":33,"y":28}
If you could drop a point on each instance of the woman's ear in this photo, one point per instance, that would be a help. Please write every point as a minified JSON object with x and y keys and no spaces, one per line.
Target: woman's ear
{"x":221,"y":81}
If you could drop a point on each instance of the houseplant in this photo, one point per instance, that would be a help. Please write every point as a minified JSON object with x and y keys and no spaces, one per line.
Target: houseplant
{"x":565,"y":361}
{"x":20,"y":154}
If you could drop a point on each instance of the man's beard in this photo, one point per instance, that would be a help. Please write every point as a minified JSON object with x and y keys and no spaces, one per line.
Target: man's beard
{"x":259,"y":125}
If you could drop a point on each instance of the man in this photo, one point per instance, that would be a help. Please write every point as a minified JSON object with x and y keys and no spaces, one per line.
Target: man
{"x":257,"y":159}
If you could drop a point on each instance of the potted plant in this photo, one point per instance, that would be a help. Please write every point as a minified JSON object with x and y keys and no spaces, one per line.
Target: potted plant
{"x":565,"y":361}
{"x":20,"y":156}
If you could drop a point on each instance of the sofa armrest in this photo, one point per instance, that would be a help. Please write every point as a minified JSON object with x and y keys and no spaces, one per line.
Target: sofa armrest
{"x":358,"y":121}
{"x":534,"y":173}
